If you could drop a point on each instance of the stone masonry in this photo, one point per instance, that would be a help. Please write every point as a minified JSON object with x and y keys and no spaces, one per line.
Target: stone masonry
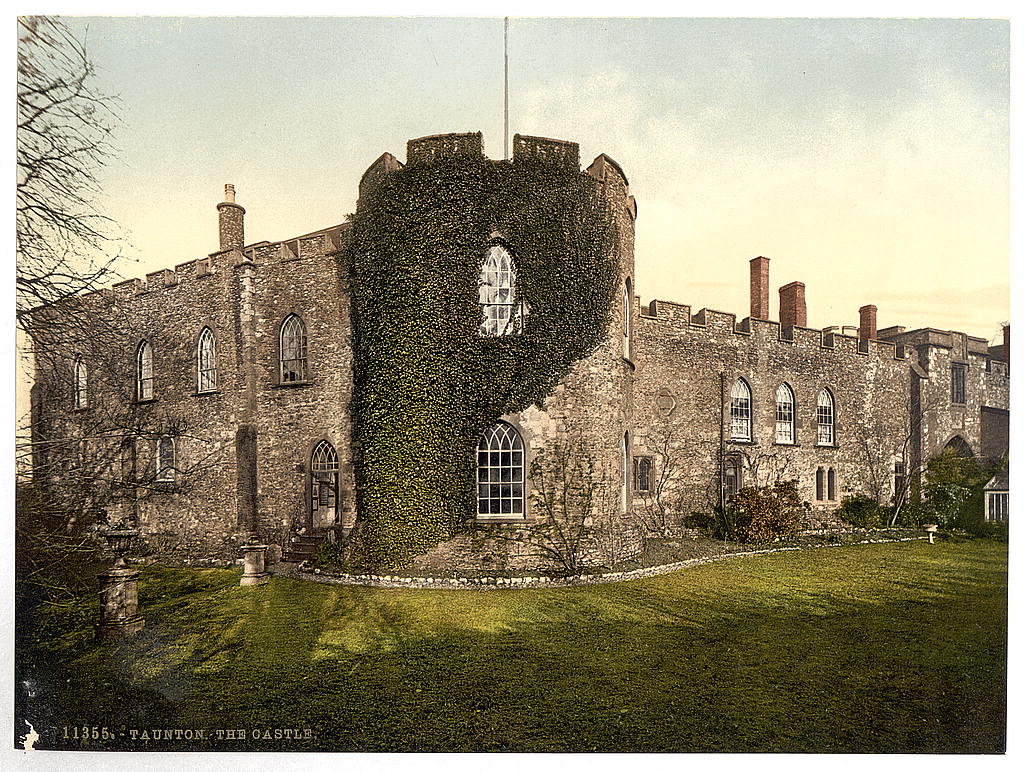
{"x":657,"y":390}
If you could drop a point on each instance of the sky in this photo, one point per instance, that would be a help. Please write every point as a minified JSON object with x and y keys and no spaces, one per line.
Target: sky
{"x":867,"y":158}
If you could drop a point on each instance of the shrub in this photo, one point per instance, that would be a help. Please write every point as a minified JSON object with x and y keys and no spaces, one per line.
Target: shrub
{"x":861,"y":511}
{"x":767,"y":514}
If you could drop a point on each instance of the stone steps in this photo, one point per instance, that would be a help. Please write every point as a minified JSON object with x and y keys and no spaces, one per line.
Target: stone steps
{"x":302,"y":547}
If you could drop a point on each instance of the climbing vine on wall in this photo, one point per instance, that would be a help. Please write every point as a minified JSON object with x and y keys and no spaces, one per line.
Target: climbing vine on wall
{"x":426,"y":383}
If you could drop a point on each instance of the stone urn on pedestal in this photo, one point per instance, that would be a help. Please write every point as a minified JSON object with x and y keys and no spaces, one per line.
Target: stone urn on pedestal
{"x":931,"y":529}
{"x":255,"y":556}
{"x":119,"y":589}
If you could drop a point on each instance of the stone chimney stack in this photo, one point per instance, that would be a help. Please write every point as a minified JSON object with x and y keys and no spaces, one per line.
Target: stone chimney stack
{"x":868,"y":323}
{"x":792,"y":305}
{"x":759,"y":288}
{"x":232,"y":221}
{"x":1006,"y":347}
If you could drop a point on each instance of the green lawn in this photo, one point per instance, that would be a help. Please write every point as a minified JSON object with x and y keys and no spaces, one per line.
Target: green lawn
{"x":893,"y":647}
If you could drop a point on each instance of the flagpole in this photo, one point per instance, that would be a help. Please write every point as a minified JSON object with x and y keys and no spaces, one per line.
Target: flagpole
{"x":506,"y":88}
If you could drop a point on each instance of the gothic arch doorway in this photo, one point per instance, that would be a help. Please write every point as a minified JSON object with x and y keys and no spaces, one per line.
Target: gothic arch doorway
{"x":323,"y":486}
{"x":959,"y":446}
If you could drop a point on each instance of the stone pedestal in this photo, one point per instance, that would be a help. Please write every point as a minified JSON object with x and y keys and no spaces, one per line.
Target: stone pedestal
{"x":931,"y":530}
{"x":119,"y":602}
{"x":255,"y":565}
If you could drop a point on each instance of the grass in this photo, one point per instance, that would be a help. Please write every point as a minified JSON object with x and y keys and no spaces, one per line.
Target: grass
{"x":889,"y":648}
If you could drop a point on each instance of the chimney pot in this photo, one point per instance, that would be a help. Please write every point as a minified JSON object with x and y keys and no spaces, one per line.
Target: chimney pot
{"x":229,"y":193}
{"x":868,"y":329}
{"x":759,"y":288}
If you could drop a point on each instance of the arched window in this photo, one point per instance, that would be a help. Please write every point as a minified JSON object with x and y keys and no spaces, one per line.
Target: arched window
{"x":500,"y":465}
{"x":819,"y":484}
{"x":643,"y":468}
{"x":293,"y":350}
{"x":164,"y":460}
{"x":627,"y":319}
{"x":739,"y":411}
{"x":831,"y":484}
{"x":502,"y":312}
{"x":323,"y":480}
{"x":206,"y":361}
{"x":785,"y":415}
{"x":144,"y":372}
{"x":81,"y":384}
{"x":826,"y":418}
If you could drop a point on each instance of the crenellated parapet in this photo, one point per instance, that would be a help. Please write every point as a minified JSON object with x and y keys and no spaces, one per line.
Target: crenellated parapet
{"x":664,"y":318}
{"x":435,"y":146}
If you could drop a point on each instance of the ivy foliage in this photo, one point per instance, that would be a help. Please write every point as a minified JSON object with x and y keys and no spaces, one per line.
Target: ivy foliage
{"x":427,"y":384}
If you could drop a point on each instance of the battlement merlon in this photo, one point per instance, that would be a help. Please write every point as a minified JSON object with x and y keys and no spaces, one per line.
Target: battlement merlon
{"x":661,"y":317}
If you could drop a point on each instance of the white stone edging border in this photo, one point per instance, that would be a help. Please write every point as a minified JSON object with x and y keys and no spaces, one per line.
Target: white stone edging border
{"x":521,"y":582}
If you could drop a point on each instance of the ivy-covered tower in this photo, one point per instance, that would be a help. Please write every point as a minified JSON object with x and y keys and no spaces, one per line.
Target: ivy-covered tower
{"x":488,"y":298}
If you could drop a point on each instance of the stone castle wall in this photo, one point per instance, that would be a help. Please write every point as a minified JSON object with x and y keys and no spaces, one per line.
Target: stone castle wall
{"x":662,"y":390}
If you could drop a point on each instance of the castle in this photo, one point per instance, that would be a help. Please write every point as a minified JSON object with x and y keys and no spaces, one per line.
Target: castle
{"x":238,"y":380}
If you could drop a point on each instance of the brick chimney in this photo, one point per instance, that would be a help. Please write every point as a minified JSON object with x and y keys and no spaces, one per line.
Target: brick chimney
{"x":792,"y":305}
{"x":759,"y":288}
{"x":232,"y":218}
{"x":1006,"y":347}
{"x":868,"y":323}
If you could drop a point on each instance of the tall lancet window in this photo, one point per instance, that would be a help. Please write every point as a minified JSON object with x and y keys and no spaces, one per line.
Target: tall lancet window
{"x":502,"y":311}
{"x":81,"y":384}
{"x":293,"y":350}
{"x":206,"y":361}
{"x":739,"y":411}
{"x":144,"y":372}
{"x":785,"y":415}
{"x":826,"y":418}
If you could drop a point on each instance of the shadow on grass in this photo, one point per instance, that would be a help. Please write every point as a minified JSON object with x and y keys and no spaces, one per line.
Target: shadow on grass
{"x":884,"y":648}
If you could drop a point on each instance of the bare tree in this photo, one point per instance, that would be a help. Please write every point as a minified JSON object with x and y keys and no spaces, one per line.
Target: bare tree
{"x":64,"y":244}
{"x":563,"y":504}
{"x":888,"y":439}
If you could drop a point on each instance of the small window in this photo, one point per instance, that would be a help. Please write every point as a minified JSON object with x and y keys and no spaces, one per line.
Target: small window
{"x":785,"y":415}
{"x":627,"y":320}
{"x":831,"y":484}
{"x":998,"y":506}
{"x":732,"y":477}
{"x":206,"y":361}
{"x":899,"y":479}
{"x":81,"y":384}
{"x":819,"y":484}
{"x":958,"y":386}
{"x":500,"y":467}
{"x":293,"y":350}
{"x":739,"y":410}
{"x":643,"y":466}
{"x":164,"y":459}
{"x":826,"y":418}
{"x":502,"y":312}
{"x":144,"y":372}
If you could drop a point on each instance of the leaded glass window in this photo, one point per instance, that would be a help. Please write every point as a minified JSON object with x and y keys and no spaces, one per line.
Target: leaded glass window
{"x":323,"y":469}
{"x":502,"y":311}
{"x":206,"y":361}
{"x":785,"y":415}
{"x":293,"y":350}
{"x":826,"y":418}
{"x":164,"y":459}
{"x":500,"y":465}
{"x":740,"y":411}
{"x":144,"y":371}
